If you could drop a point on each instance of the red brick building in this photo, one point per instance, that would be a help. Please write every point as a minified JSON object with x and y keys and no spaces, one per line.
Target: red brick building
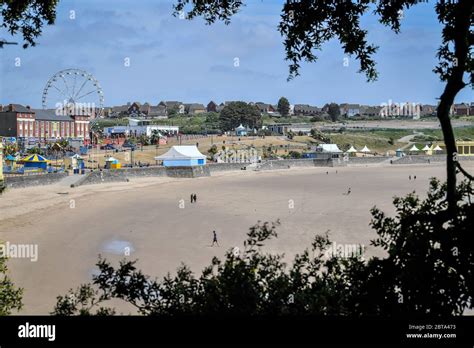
{"x":23,"y":122}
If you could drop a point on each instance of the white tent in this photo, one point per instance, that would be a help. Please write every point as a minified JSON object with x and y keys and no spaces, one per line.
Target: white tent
{"x":437,"y":148}
{"x":426,"y":148}
{"x":414,"y":148}
{"x":181,"y":152}
{"x":365,"y":149}
{"x":332,"y":148}
{"x":185,"y":155}
{"x":352,"y":149}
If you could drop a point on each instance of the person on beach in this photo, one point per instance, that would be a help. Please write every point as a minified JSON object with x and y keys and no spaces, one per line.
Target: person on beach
{"x":214,"y":238}
{"x":349,"y":191}
{"x":409,"y":177}
{"x":195,"y":198}
{"x":414,"y":178}
{"x":192,"y":198}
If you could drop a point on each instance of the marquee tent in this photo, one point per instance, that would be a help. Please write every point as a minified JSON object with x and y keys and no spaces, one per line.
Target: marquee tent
{"x":437,"y":148}
{"x":365,"y":149}
{"x":35,"y":162}
{"x":414,"y":148}
{"x":182,"y":156}
{"x":426,"y":148}
{"x":329,"y":148}
{"x":352,"y":150}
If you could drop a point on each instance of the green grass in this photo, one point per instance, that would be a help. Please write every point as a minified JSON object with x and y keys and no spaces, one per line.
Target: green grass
{"x":461,"y":133}
{"x":395,"y":134}
{"x":374,"y":143}
{"x":267,"y":120}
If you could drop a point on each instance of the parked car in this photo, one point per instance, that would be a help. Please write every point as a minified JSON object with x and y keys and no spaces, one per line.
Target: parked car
{"x":108,"y":147}
{"x":129,"y":145}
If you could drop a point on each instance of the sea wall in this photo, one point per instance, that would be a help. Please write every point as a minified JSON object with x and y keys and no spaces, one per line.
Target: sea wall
{"x":187,"y":172}
{"x":367,"y":160}
{"x":224,"y":167}
{"x":33,"y":180}
{"x":125,"y":174}
{"x":422,"y":159}
{"x":276,"y":164}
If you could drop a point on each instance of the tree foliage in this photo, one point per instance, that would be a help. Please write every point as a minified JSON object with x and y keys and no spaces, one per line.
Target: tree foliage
{"x":427,"y":269}
{"x":334,"y":111}
{"x":236,"y":113}
{"x":27,"y":17}
{"x":10,"y":296}
{"x":283,"y":106}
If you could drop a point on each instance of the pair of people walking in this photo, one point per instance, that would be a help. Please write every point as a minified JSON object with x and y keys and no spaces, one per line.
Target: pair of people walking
{"x":193,"y":198}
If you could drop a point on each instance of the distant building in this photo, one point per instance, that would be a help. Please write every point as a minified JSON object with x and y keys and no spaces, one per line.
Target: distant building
{"x":284,"y":128}
{"x":464,"y":148}
{"x":194,"y":108}
{"x":350,"y":110}
{"x":428,"y":110}
{"x":461,"y":109}
{"x":158,"y":111}
{"x":140,"y":127}
{"x":34,"y":124}
{"x":117,"y":111}
{"x":135,"y":110}
{"x":171,"y":106}
{"x":370,"y":111}
{"x":267,"y":109}
{"x":306,"y":110}
{"x":211,"y":107}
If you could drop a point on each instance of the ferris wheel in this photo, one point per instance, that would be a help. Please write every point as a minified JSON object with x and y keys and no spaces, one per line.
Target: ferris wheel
{"x":73,"y":88}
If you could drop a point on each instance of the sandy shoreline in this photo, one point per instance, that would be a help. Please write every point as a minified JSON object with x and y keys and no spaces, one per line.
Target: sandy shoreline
{"x":153,"y":217}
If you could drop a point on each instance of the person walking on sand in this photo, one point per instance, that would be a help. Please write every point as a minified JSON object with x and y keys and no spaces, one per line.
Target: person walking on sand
{"x":349,"y":191}
{"x":414,"y":177}
{"x":214,"y":238}
{"x":409,"y":177}
{"x":194,"y":198}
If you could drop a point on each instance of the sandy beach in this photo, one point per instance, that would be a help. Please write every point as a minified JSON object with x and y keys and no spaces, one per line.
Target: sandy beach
{"x":72,"y":226}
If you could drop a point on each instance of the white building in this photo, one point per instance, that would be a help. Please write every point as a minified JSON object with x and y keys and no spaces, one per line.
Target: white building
{"x":140,"y":127}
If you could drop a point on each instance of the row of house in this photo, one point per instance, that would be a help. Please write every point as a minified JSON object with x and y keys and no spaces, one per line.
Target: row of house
{"x":403,"y":109}
{"x":23,"y":122}
{"x":167,"y":108}
{"x":162,"y":110}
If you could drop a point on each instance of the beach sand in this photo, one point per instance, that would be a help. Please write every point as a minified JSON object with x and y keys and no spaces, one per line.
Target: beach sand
{"x":72,"y":226}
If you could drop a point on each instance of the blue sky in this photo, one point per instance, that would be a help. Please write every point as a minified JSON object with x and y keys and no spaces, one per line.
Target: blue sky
{"x":176,"y":59}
